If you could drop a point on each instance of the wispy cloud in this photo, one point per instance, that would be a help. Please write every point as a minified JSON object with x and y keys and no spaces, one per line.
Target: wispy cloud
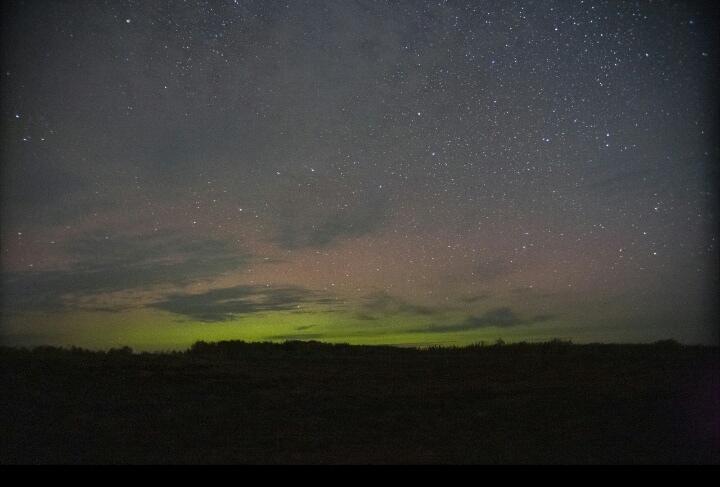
{"x":382,"y":304}
{"x":298,"y":336}
{"x":106,"y":263}
{"x":296,"y":228}
{"x":474,"y":298}
{"x":233,"y":302}
{"x":502,"y":317}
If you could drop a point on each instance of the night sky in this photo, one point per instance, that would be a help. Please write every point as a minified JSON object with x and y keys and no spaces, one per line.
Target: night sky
{"x":376,"y":172}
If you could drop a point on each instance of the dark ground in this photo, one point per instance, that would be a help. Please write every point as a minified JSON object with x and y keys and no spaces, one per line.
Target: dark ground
{"x":313,"y":403}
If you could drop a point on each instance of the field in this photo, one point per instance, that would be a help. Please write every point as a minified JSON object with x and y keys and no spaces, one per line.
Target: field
{"x":314,"y":403}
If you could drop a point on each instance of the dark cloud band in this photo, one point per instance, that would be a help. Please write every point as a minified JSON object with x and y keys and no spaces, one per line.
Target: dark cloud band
{"x":107,"y":263}
{"x":502,"y":317}
{"x":229,"y":303}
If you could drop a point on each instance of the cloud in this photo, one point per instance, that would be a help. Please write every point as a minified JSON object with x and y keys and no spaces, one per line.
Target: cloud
{"x":37,"y":191}
{"x":474,"y":298}
{"x":107,"y":263}
{"x":291,"y":337}
{"x":208,"y":139}
{"x":632,"y":180}
{"x":44,"y":186}
{"x":541,"y":318}
{"x":226,"y":304}
{"x":522,"y":290}
{"x":490,"y":270}
{"x":502,"y":317}
{"x":383,"y":304}
{"x":298,"y":226}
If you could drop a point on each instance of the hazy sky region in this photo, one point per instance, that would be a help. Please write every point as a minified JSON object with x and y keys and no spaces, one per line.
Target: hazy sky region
{"x":390,"y":172}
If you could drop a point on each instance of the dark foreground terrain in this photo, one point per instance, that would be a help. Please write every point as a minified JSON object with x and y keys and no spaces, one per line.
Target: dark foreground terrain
{"x":306,"y":402}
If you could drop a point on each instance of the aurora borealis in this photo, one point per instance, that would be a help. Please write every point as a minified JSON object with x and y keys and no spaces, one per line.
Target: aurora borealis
{"x":390,"y":172}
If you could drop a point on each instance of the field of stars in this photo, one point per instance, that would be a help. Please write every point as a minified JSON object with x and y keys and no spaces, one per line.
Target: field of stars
{"x":373,"y":172}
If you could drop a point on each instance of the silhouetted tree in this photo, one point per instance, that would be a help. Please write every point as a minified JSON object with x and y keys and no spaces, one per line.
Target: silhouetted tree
{"x":122,"y":351}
